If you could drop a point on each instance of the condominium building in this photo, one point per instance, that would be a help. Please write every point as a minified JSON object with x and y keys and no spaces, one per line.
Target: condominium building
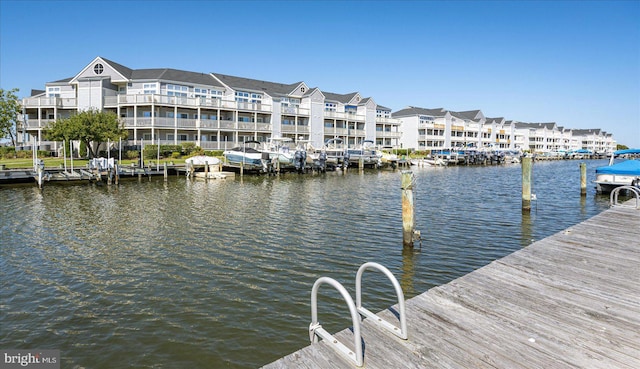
{"x":437,"y":129}
{"x":212,"y":110}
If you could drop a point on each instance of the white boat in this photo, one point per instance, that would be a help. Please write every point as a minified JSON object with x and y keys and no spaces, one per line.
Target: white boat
{"x":624,"y":173}
{"x":246,"y":156}
{"x":202,"y":160}
{"x":365,"y":152}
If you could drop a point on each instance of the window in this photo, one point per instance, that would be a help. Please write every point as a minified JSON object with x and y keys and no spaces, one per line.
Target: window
{"x":98,"y":68}
{"x":150,"y":88}
{"x":53,"y":91}
{"x":183,"y":137}
{"x":330,"y":107}
{"x":177,"y":90}
{"x":242,"y":96}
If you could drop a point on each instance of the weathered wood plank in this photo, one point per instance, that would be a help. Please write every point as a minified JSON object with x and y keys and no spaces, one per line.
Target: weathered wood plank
{"x":570,"y":300}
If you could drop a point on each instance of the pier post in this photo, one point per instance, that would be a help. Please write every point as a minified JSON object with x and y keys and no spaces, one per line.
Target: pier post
{"x":408,"y":222}
{"x":583,"y":179}
{"x":361,"y":163}
{"x":206,"y":170}
{"x":526,"y":184}
{"x":117,"y":173}
{"x":166,"y":172}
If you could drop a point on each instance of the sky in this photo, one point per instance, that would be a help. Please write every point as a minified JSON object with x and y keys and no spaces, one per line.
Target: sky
{"x":575,"y":63}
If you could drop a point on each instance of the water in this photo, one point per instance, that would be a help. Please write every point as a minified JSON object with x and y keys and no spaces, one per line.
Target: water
{"x":218,"y":274}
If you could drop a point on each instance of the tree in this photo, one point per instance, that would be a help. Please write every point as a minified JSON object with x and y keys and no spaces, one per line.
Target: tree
{"x":10,"y":108}
{"x":91,"y":127}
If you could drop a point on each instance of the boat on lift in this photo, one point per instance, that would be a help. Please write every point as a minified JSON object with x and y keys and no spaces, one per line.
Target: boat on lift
{"x":623,"y":173}
{"x":247,"y":156}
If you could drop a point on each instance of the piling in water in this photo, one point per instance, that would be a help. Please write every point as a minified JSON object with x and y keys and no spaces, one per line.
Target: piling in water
{"x":526,"y":184}
{"x":583,"y":179}
{"x":408,"y":222}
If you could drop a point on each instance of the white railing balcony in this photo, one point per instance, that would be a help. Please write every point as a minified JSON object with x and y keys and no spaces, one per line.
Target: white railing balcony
{"x":187,"y":123}
{"x":164,"y":122}
{"x":227,"y":124}
{"x":208,"y":123}
{"x":263,"y":127}
{"x":245,"y":125}
{"x":386,"y":120}
{"x":50,"y":102}
{"x":294,"y":110}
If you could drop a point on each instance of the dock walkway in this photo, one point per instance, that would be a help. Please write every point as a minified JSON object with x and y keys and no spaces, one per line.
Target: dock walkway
{"x":571,"y":300}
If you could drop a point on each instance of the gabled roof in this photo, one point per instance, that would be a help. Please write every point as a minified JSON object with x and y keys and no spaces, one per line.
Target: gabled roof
{"x":380,"y":107}
{"x":341,"y":98}
{"x":586,"y":132}
{"x":412,"y":111}
{"x":549,"y":126}
{"x":126,"y":72}
{"x":469,"y":114}
{"x":35,"y":93}
{"x":175,"y":75}
{"x":270,"y":88}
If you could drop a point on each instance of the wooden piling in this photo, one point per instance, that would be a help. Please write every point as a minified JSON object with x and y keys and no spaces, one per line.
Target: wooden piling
{"x":526,"y":183}
{"x":408,"y":222}
{"x":583,"y":179}
{"x":361,"y":163}
{"x":206,"y":170}
{"x":117,"y":174}
{"x":166,"y":172}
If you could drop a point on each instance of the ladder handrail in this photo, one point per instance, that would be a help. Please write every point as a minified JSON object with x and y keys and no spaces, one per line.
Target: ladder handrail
{"x":613,"y":197}
{"x":376,"y":319}
{"x":316,"y":330}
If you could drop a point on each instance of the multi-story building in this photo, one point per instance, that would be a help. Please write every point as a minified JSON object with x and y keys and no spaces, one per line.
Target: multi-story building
{"x":215,"y":111}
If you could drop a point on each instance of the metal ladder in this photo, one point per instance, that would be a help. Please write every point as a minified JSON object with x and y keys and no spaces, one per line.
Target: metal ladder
{"x":613,"y":197}
{"x":358,"y":312}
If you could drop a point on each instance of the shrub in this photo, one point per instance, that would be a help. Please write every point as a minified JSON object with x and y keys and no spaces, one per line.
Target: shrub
{"x":175,"y":155}
{"x":132,"y":154}
{"x":7,"y":152}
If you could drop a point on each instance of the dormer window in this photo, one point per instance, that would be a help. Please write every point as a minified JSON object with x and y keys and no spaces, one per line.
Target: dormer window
{"x":98,"y":68}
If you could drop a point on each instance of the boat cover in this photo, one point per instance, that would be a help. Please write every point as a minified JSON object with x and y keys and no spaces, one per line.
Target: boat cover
{"x":627,"y":167}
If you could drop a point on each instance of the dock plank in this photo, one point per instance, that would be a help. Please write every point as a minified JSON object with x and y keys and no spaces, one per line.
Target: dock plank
{"x":571,"y":300}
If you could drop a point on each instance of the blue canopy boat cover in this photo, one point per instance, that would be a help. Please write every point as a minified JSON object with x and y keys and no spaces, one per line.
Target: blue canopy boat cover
{"x":627,"y":167}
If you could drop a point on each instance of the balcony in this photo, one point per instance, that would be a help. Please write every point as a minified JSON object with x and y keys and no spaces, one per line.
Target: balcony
{"x":50,"y":102}
{"x":190,"y":102}
{"x":344,"y":116}
{"x":294,"y":110}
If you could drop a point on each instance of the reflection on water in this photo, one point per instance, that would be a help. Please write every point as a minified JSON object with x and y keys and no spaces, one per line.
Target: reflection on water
{"x":218,"y":274}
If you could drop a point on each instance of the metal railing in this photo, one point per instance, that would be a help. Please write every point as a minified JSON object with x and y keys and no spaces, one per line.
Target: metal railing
{"x":357,"y":311}
{"x":316,"y":330}
{"x":400,"y":332}
{"x":615,"y":193}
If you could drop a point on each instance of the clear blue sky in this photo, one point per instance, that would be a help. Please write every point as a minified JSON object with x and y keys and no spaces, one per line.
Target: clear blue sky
{"x":576,"y":63}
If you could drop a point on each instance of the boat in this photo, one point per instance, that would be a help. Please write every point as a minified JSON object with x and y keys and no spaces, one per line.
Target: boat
{"x":624,"y":173}
{"x":282,"y":157}
{"x":202,"y":160}
{"x":366,"y":152}
{"x":334,"y":150}
{"x":246,"y":156}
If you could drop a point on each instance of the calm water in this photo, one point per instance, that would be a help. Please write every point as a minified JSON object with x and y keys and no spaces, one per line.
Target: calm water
{"x":218,"y":274}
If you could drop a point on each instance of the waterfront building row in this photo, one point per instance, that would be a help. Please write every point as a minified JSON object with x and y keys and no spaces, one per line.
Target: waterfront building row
{"x":437,"y":129}
{"x":217,"y":111}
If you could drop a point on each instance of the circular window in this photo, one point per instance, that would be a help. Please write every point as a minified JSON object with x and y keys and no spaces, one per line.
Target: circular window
{"x":98,"y":69}
{"x":302,"y":89}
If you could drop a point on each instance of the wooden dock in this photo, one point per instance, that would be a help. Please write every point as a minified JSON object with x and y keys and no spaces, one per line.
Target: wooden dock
{"x":571,"y":300}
